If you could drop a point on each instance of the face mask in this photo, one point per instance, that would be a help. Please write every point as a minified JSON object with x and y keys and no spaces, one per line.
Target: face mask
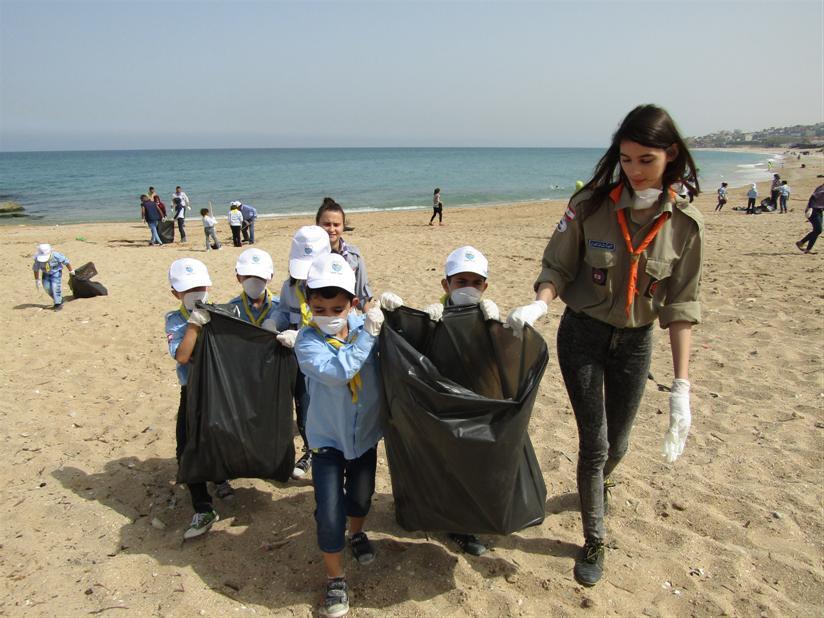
{"x":645,"y":198}
{"x":331,"y":325}
{"x":190,"y":298}
{"x":254,"y":287}
{"x":466,"y":296}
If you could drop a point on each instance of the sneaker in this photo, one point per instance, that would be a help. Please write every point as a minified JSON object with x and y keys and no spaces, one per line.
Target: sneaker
{"x":58,"y":307}
{"x":201,"y":523}
{"x":608,"y":485}
{"x":362,"y":548}
{"x":224,"y":491}
{"x":799,"y":244}
{"x":303,"y":465}
{"x":589,"y":567}
{"x":469,"y":544}
{"x":336,"y":603}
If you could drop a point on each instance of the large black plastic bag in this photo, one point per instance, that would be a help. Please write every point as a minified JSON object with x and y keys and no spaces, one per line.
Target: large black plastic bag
{"x":166,"y":231}
{"x":82,"y":286}
{"x":460,"y":394}
{"x":239,"y":404}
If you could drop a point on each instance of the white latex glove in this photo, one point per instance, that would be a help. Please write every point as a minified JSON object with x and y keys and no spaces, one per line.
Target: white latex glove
{"x":269,"y":324}
{"x":435,"y":311}
{"x":374,"y":321}
{"x":390,"y":301}
{"x":526,"y":314}
{"x":287,"y":338}
{"x":71,"y":272}
{"x":37,"y":284}
{"x":680,"y":420}
{"x":490,"y":310}
{"x":199,"y":317}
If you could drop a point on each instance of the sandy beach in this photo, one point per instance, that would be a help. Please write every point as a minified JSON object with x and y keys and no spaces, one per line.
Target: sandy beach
{"x":92,"y":520}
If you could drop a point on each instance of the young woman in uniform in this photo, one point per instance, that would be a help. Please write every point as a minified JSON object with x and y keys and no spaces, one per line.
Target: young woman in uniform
{"x":627,"y":251}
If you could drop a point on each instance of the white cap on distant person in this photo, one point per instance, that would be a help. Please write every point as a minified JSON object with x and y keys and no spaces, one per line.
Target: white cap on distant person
{"x":43,"y":252}
{"x":235,"y":203}
{"x":467,"y":260}
{"x":331,"y":271}
{"x":308,"y":243}
{"x":188,"y":273}
{"x":256,"y":263}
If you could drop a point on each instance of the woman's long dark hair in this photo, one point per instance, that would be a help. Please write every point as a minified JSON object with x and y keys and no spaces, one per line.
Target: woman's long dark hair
{"x":651,"y":126}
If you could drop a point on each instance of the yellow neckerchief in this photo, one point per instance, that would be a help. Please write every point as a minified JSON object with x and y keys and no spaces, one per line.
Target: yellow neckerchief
{"x":248,"y":309}
{"x":305,"y":312}
{"x":47,"y":265}
{"x":356,"y":383}
{"x":184,"y":312}
{"x":445,"y":299}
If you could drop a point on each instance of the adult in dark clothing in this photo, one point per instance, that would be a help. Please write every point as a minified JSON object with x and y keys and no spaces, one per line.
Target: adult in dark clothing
{"x":775,"y":190}
{"x":815,"y":213}
{"x":150,"y":213}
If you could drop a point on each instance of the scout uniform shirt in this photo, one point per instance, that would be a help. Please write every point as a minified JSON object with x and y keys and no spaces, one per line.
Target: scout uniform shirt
{"x":176,"y":322}
{"x":294,"y":312}
{"x":247,"y":312}
{"x":589,"y":264}
{"x":353,"y":257}
{"x":53,"y":268}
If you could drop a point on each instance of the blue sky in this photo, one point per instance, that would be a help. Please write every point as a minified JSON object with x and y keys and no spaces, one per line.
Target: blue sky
{"x":180,"y":74}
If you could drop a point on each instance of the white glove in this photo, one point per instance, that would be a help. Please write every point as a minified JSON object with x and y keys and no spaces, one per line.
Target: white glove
{"x":37,"y":284}
{"x":199,"y":317}
{"x":269,"y":324}
{"x":680,"y":420}
{"x":71,"y":272}
{"x":527,"y":314}
{"x":490,"y":310}
{"x":374,"y":321}
{"x":287,"y":338}
{"x":390,"y":301}
{"x":435,"y":311}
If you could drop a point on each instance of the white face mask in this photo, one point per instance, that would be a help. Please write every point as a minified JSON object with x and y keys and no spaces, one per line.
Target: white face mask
{"x":190,"y":298}
{"x":645,"y":198}
{"x":331,"y":325}
{"x":466,"y":296}
{"x":254,"y":287}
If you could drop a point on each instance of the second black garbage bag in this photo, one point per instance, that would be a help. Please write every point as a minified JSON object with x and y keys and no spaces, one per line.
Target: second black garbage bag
{"x":459,"y":395}
{"x":239,"y":404}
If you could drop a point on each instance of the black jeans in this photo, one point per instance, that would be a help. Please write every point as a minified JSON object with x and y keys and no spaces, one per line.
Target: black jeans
{"x":201,"y":500}
{"x":810,"y":238}
{"x":437,"y":211}
{"x":750,"y":205}
{"x":236,"y":235}
{"x":181,"y":226}
{"x":605,"y":370}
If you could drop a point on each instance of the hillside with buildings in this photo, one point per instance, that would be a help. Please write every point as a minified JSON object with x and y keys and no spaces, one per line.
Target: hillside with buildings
{"x":797,"y":136}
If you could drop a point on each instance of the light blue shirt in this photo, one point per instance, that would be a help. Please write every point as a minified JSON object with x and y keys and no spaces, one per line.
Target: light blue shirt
{"x":784,"y":190}
{"x":333,"y":420}
{"x":55,"y":265}
{"x":752,"y":194}
{"x":289,"y":315}
{"x":175,"y":329}
{"x":272,"y":312}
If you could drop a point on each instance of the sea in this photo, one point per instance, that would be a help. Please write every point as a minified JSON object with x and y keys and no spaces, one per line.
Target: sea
{"x":86,"y":186}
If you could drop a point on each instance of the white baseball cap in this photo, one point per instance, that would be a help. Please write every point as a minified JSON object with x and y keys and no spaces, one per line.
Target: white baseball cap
{"x":188,"y":273}
{"x":331,"y":271}
{"x":235,"y":203}
{"x":467,"y":260}
{"x":255,"y":262}
{"x":43,"y":252}
{"x":308,"y":243}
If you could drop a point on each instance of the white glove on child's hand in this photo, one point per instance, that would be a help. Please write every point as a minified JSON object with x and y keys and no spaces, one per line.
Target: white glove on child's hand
{"x":287,"y":338}
{"x":527,"y":314}
{"x":374,"y":321}
{"x":199,"y":317}
{"x":490,"y":310}
{"x":435,"y":311}
{"x":269,"y":324}
{"x":390,"y":301}
{"x":37,"y":284}
{"x":680,"y":420}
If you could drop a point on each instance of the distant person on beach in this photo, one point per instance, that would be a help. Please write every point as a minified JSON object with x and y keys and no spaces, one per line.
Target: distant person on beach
{"x":775,"y":190}
{"x":160,"y":205}
{"x":783,"y":196}
{"x":235,"y":223}
{"x":152,"y":193}
{"x":151,"y":214}
{"x":330,"y":217}
{"x":814,"y":214}
{"x":184,"y":199}
{"x":209,"y":226}
{"x":752,"y":195}
{"x":248,"y":226}
{"x":722,"y":197}
{"x":180,"y":217}
{"x":627,"y":251}
{"x":48,"y":272}
{"x":437,"y":207}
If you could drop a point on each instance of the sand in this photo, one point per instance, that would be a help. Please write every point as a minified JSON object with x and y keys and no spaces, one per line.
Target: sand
{"x":92,"y":520}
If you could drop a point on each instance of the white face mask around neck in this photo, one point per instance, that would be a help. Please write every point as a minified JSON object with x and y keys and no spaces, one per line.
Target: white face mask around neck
{"x":645,"y":198}
{"x":466,"y":296}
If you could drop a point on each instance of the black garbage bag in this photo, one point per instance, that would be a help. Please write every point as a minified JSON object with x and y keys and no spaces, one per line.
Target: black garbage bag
{"x":166,"y":231}
{"x":459,"y":396}
{"x":82,"y":286}
{"x":239,"y":404}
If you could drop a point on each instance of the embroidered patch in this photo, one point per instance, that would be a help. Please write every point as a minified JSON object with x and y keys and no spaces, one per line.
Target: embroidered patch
{"x":602,"y":244}
{"x":652,"y":288}
{"x":599,"y":276}
{"x":569,"y":214}
{"x":562,"y":225}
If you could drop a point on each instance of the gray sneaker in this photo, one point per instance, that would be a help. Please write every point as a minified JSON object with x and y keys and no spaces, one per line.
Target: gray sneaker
{"x":201,"y":523}
{"x":336,"y":603}
{"x":362,"y":548}
{"x":224,"y":491}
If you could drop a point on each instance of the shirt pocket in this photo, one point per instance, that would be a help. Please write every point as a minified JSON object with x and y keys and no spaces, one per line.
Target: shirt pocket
{"x":600,"y":270}
{"x":653,"y":284}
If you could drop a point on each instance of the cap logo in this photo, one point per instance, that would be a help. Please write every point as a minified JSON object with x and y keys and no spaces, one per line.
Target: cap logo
{"x":469,"y":256}
{"x":256,"y":258}
{"x":336,"y":267}
{"x":307,"y":250}
{"x":190,"y":270}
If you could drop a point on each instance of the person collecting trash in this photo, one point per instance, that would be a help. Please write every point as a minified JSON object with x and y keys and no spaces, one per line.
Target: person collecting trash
{"x":624,"y":253}
{"x":48,"y":272}
{"x":256,"y":305}
{"x":465,"y":280}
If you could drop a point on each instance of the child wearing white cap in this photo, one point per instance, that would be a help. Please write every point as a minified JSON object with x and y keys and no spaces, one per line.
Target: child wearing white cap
{"x":464,"y":283}
{"x":190,"y":283}
{"x":308,"y":243}
{"x":337,"y":353}
{"x":235,"y":218}
{"x":256,"y":305}
{"x":48,"y":268}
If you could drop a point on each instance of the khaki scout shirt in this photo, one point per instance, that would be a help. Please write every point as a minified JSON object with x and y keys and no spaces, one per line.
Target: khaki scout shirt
{"x":588,"y":263}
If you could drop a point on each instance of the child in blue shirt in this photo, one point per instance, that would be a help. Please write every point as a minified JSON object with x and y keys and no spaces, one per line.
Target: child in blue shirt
{"x":783,"y":196}
{"x":256,"y":305}
{"x":48,"y":268}
{"x":722,"y":197}
{"x":337,"y":353}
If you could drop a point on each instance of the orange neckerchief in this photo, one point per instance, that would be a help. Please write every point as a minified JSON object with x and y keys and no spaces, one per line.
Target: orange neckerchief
{"x":634,"y":254}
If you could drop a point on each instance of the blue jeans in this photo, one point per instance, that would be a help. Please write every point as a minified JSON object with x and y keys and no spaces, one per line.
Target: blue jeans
{"x":155,"y":236}
{"x":782,"y":200}
{"x":53,"y":285}
{"x":248,"y":230}
{"x":343,"y":488}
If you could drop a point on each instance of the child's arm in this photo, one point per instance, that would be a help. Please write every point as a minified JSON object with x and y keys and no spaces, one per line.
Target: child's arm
{"x":183,"y":354}
{"x":334,"y":368}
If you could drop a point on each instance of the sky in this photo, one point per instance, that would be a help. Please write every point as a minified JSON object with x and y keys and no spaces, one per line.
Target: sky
{"x":132,"y":74}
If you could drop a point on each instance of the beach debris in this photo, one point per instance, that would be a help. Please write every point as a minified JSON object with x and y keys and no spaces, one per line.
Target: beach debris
{"x":511,"y":578}
{"x":775,"y":515}
{"x":586,"y":603}
{"x":679,"y":506}
{"x":697,"y":571}
{"x":156,"y":523}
